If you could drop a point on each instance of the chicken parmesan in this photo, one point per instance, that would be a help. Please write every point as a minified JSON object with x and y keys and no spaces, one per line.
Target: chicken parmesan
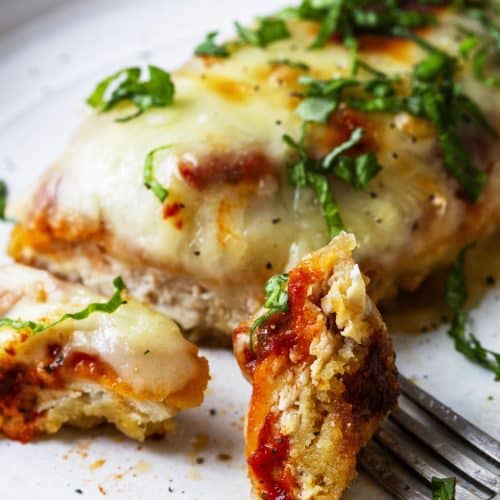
{"x":323,"y":376}
{"x":68,"y":356}
{"x":258,"y":151}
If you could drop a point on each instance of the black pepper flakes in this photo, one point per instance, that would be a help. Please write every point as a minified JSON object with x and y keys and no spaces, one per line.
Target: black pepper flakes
{"x":395,"y":155}
{"x":373,"y":194}
{"x":256,"y":88}
{"x":213,"y":412}
{"x":278,"y":122}
{"x":269,"y":265}
{"x":276,"y":220}
{"x":200,"y":460}
{"x":170,"y":489}
{"x":378,"y":221}
{"x":197,"y":253}
{"x":490,"y":280}
{"x":79,"y":491}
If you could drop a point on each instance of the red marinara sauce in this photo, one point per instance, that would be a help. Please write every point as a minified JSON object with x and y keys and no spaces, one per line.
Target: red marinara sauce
{"x":225,"y":168}
{"x":268,"y":463}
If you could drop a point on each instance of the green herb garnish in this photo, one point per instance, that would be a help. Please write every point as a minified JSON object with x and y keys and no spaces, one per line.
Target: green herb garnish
{"x":149,"y":176}
{"x":276,"y":301}
{"x":349,"y":18}
{"x":210,"y":48}
{"x":434,"y":96}
{"x":483,"y":49}
{"x":4,"y":192}
{"x":270,"y":30}
{"x":443,"y":488}
{"x":107,"y":307}
{"x":126,"y":85}
{"x":466,"y":342}
{"x":322,"y":97}
{"x":291,"y":64}
{"x":308,"y":172}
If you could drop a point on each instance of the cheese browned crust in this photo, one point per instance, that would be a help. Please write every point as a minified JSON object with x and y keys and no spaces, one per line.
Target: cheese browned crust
{"x":323,"y":378}
{"x":231,"y":218}
{"x":131,"y":368}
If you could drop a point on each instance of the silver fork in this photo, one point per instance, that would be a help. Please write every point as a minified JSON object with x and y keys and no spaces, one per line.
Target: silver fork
{"x":422,"y":439}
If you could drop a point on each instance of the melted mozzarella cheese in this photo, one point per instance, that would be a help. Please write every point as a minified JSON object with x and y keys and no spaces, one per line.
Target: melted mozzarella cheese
{"x":227,"y":233}
{"x":144,"y":348}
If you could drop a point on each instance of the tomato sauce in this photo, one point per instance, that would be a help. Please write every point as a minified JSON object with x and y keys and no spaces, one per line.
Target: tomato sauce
{"x":225,"y":168}
{"x":268,"y":463}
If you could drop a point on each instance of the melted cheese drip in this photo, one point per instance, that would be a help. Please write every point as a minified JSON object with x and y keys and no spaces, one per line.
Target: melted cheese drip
{"x":240,"y":104}
{"x":120,"y":339}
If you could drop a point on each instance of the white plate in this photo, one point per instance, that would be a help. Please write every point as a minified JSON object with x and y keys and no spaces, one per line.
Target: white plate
{"x":52,"y":52}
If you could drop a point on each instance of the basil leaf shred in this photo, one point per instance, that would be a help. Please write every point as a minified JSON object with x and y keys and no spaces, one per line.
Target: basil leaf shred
{"x":150,"y":180}
{"x":276,"y":301}
{"x":466,"y":342}
{"x":106,"y":307}
{"x":443,"y":488}
{"x":157,"y":89}
{"x":210,"y":48}
{"x":270,"y":30}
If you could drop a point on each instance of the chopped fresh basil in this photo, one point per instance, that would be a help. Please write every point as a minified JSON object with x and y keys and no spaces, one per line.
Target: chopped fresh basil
{"x":321,"y":97}
{"x":466,"y":342}
{"x":4,"y":192}
{"x":443,"y":488}
{"x":433,"y":96}
{"x":291,"y":64}
{"x":483,"y":48}
{"x":330,"y":22}
{"x":276,"y":301}
{"x":210,"y":48}
{"x":317,"y":109}
{"x":126,"y":85}
{"x":349,"y":18}
{"x":149,"y":176}
{"x":106,"y":307}
{"x":355,"y":170}
{"x":467,"y":45}
{"x":270,"y":30}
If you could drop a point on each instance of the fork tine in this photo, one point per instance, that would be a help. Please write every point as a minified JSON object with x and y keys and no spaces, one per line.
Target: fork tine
{"x":481,"y":441}
{"x":446,"y":450}
{"x":404,"y":448}
{"x":377,"y":463}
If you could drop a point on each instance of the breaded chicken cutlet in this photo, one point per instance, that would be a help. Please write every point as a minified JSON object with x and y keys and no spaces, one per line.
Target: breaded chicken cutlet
{"x":197,"y":203}
{"x":70,"y":356}
{"x":323,"y":378}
